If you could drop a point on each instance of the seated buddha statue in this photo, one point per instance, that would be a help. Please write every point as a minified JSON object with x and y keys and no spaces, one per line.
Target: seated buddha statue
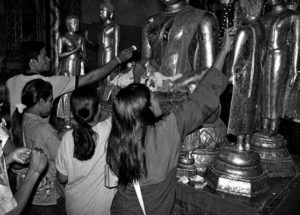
{"x":180,"y":42}
{"x":178,"y":46}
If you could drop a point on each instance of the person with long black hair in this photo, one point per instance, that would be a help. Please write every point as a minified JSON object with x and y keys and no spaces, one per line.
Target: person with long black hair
{"x":144,"y":145}
{"x":80,"y":161}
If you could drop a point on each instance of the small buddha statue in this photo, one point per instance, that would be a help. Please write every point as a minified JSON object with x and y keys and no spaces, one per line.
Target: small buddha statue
{"x":110,"y":35}
{"x":72,"y":55}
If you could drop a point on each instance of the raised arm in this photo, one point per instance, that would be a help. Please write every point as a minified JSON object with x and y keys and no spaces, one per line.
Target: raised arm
{"x":205,"y":99}
{"x":101,"y":72}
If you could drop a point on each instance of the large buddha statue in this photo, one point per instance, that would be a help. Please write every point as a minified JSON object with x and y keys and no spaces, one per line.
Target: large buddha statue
{"x":181,"y":40}
{"x":178,"y":46}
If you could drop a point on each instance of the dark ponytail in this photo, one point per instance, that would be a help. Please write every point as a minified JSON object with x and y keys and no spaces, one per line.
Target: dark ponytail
{"x":84,"y":106}
{"x":16,"y":124}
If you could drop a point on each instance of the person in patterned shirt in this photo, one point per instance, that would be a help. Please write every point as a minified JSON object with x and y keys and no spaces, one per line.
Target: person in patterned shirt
{"x":38,"y":161}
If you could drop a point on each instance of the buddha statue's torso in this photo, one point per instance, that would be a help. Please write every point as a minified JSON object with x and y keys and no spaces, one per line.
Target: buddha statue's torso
{"x":280,"y":61}
{"x":109,"y":42}
{"x":180,"y":42}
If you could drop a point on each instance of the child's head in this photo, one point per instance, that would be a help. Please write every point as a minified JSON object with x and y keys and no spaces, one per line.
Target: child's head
{"x":34,"y":57}
{"x":38,"y":94}
{"x":86,"y":110}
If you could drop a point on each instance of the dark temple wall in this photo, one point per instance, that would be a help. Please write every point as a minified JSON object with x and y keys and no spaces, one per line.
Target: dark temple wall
{"x":2,"y":34}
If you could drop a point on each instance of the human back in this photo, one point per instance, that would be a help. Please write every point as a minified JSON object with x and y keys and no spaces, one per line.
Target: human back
{"x":81,"y":157}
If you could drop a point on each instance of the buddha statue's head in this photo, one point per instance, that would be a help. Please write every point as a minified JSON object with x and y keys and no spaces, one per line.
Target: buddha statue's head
{"x":72,"y":23}
{"x":292,"y":4}
{"x":172,"y":6}
{"x":275,"y":2}
{"x":250,"y":9}
{"x":106,"y":10}
{"x":172,"y":2}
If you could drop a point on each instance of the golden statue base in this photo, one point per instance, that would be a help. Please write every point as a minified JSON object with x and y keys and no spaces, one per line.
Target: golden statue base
{"x":237,"y":172}
{"x":274,"y":155}
{"x":187,"y":171}
{"x":206,"y":143}
{"x":203,"y":158}
{"x":185,"y":166}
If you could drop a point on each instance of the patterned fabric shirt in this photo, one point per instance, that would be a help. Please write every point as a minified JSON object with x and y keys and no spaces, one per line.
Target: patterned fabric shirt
{"x":38,"y":133}
{"x":7,"y":201}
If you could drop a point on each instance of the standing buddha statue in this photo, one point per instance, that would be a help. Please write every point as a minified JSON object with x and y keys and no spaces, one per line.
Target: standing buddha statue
{"x":244,"y":71}
{"x":237,"y":167}
{"x":72,"y":55}
{"x":110,"y":35}
{"x":279,"y":86}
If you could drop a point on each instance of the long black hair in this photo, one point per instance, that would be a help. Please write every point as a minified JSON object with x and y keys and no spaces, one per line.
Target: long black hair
{"x":84,"y":105}
{"x":32,"y":92}
{"x":131,"y":115}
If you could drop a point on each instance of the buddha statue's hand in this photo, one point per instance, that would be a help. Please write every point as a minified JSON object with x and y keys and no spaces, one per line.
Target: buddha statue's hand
{"x":293,"y":79}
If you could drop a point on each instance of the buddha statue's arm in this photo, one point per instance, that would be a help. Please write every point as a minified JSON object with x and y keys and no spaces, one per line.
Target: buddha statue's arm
{"x":207,"y":42}
{"x":83,"y":49}
{"x":60,"y":46}
{"x":116,"y":39}
{"x":237,"y":59}
{"x":296,"y":47}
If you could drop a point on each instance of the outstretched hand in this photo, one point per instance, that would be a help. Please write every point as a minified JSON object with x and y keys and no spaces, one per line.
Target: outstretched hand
{"x":21,"y":155}
{"x":126,"y":54}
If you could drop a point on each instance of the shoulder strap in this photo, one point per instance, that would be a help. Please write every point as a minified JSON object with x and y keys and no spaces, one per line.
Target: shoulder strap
{"x":137,"y":189}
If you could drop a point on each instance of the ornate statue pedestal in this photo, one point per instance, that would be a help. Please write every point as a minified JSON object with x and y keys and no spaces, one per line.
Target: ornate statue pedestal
{"x":274,"y":155}
{"x":203,"y":158}
{"x":186,"y":166}
{"x":211,"y":138}
{"x":237,"y":172}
